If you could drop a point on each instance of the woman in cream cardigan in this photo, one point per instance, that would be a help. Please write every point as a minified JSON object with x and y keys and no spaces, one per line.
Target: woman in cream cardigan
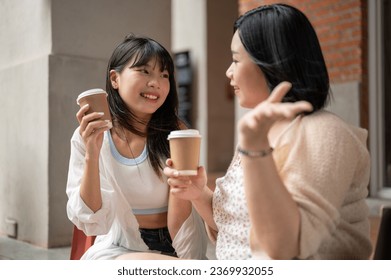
{"x":297,"y":184}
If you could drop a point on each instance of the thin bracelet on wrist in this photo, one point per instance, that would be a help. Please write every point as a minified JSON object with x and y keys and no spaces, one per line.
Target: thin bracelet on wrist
{"x":255,"y":154}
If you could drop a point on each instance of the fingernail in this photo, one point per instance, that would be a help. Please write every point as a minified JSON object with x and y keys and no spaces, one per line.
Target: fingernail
{"x":101,"y":113}
{"x":176,"y":173}
{"x":109,"y":124}
{"x":85,"y":106}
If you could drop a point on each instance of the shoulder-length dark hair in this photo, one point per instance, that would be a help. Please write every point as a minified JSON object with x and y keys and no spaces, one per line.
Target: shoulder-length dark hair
{"x":141,"y":50}
{"x":282,"y":42}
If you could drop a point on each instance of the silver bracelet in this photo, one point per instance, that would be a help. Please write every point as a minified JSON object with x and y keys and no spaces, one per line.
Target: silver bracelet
{"x":254,"y":154}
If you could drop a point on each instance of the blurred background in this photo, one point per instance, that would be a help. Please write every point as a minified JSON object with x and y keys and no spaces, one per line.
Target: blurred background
{"x":51,"y":50}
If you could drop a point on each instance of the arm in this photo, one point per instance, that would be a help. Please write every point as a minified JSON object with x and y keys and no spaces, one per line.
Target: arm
{"x":178,"y":212}
{"x":85,"y":184}
{"x":203,"y":205}
{"x":92,"y":223}
{"x":91,"y":130}
{"x":90,"y":185}
{"x":194,"y":189}
{"x":274,"y":215}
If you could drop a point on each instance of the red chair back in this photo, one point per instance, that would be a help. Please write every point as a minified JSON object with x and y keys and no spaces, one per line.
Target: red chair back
{"x":80,"y":243}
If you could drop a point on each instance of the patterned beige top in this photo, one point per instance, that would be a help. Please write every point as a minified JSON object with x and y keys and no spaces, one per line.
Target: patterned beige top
{"x":324,"y":163}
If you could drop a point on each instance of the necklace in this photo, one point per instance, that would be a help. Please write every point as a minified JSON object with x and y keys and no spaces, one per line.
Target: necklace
{"x":128,"y":144}
{"x":130,"y":149}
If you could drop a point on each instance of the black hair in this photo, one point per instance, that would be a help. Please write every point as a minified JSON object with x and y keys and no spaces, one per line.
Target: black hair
{"x":282,"y":42}
{"x":165,"y":119}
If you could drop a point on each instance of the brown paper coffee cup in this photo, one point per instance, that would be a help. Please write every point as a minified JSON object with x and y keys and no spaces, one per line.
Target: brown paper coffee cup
{"x":185,"y":150}
{"x":97,"y":99}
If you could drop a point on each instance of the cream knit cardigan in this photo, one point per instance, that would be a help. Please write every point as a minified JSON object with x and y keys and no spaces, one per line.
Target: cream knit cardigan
{"x":325,"y":164}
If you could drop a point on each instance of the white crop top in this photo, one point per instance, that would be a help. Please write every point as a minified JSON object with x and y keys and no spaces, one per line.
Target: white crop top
{"x":145,"y":192}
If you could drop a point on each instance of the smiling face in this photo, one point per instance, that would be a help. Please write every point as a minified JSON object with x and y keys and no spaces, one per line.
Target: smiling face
{"x":143,"y":88}
{"x":246,"y":77}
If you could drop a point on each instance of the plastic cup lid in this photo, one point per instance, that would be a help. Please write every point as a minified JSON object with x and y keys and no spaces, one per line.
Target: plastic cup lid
{"x":90,"y":92}
{"x":184,"y":133}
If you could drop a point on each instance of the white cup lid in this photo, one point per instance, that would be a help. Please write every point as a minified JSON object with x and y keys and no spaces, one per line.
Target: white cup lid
{"x":184,"y":133}
{"x":90,"y":92}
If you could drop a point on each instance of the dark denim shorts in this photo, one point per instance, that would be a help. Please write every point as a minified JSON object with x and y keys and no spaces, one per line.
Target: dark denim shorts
{"x":158,"y":239}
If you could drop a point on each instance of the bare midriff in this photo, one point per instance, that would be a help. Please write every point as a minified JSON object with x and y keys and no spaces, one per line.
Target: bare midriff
{"x":152,"y":221}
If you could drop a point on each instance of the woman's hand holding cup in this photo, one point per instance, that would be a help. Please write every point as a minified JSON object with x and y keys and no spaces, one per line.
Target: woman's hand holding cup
{"x":94,"y":119}
{"x":184,"y":186}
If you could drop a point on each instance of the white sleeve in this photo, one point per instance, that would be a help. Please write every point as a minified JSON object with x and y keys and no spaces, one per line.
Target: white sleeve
{"x":78,"y":212}
{"x":191,"y":239}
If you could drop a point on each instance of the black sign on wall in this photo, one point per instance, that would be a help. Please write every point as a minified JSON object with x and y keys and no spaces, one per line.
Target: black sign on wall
{"x":184,"y":80}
